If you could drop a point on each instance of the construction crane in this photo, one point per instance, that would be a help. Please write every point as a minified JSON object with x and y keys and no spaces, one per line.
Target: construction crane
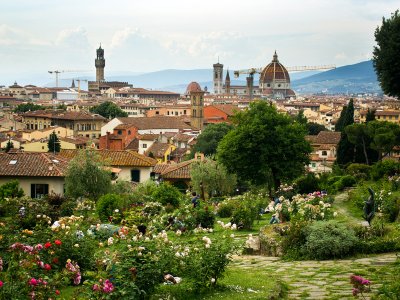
{"x":252,"y":71}
{"x":79,"y":86}
{"x":56,"y":72}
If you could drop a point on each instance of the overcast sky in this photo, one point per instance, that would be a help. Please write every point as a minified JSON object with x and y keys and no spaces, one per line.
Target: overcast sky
{"x":141,"y":36}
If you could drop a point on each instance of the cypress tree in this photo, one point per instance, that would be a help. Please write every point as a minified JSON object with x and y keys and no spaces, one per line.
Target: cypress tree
{"x":346,"y":150}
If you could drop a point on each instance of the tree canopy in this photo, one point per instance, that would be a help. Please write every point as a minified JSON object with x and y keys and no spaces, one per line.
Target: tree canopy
{"x":212,"y":178}
{"x":108,"y":110}
{"x":21,"y":108}
{"x":207,"y":141}
{"x":315,"y":128}
{"x":386,"y":55}
{"x":345,"y":152}
{"x":87,"y":176}
{"x":265,"y":147}
{"x":54,"y":143}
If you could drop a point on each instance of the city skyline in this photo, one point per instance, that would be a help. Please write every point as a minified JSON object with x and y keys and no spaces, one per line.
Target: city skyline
{"x":150,"y":36}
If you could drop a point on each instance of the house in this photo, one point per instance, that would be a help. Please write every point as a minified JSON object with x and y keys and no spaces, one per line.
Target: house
{"x":130,"y":165}
{"x":122,"y":136}
{"x":44,"y":133}
{"x":160,"y":151}
{"x":219,"y":113}
{"x":38,"y":173}
{"x":150,"y":125}
{"x":324,"y":150}
{"x":79,"y":142}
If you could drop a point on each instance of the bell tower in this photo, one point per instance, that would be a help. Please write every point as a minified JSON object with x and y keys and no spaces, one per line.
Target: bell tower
{"x":197,"y":104}
{"x":100,"y":63}
{"x":227,"y":83}
{"x":217,"y":77}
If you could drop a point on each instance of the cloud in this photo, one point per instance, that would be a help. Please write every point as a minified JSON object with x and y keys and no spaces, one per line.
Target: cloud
{"x":75,"y":38}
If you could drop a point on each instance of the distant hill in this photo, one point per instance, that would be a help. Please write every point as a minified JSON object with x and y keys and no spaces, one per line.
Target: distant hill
{"x":357,"y":78}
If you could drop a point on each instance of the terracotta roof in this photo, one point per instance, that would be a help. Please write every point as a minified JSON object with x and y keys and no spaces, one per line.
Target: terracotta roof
{"x":159,"y":168}
{"x":193,"y":87}
{"x":32,"y":164}
{"x":148,"y":137}
{"x":180,"y":137}
{"x":229,"y":109}
{"x":158,"y":149}
{"x":328,"y":137}
{"x":133,"y":145}
{"x":124,"y":126}
{"x":159,"y":122}
{"x":311,"y":138}
{"x":178,"y":171}
{"x":64,"y":115}
{"x":117,"y":157}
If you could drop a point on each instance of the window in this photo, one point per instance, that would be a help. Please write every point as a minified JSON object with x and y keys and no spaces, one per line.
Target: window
{"x":129,"y":132}
{"x":144,"y":145}
{"x":39,"y":190}
{"x":135,"y":175}
{"x":119,"y":132}
{"x":324,"y":153}
{"x":313,"y":165}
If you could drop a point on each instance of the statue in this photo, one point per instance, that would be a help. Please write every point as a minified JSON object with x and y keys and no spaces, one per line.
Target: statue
{"x":369,"y":207}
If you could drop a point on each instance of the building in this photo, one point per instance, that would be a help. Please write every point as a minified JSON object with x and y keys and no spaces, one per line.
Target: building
{"x":219,"y":113}
{"x":82,"y":123}
{"x":38,"y":174}
{"x":274,"y":82}
{"x":217,"y":77}
{"x":324,"y":150}
{"x":100,"y":85}
{"x":196,"y":95}
{"x":383,"y":115}
{"x":127,"y":165}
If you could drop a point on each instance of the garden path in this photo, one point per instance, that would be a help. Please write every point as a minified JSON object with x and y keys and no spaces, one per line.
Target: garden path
{"x":329,"y":279}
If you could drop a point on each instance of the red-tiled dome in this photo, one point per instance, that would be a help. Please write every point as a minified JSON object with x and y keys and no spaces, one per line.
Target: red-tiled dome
{"x":274,"y":71}
{"x":193,"y":87}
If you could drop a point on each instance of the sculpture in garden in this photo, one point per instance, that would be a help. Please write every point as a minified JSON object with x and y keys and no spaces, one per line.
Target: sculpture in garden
{"x":369,"y":207}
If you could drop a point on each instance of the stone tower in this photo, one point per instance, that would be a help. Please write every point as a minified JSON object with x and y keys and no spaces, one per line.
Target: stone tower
{"x":217,"y":77}
{"x":197,"y":104}
{"x":227,"y":83}
{"x":100,"y":63}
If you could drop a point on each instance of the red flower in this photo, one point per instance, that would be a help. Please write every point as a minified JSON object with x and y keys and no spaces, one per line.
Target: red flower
{"x":47,"y":245}
{"x":47,"y":267}
{"x":57,"y":292}
{"x":33,"y":281}
{"x":1,"y":283}
{"x":57,"y":242}
{"x":55,"y":260}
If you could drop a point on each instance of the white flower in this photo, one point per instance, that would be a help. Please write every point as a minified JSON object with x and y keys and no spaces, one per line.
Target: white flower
{"x":232,"y":235}
{"x":76,"y":245}
{"x":207,"y":245}
{"x":38,"y":216}
{"x":178,"y":232}
{"x":117,"y":210}
{"x":110,"y":241}
{"x":212,"y":280}
{"x":234,"y":227}
{"x":335,"y":214}
{"x":210,"y":230}
{"x":101,"y":244}
{"x":322,"y":215}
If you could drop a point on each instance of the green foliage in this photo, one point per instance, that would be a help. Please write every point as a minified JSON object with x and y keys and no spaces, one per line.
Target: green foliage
{"x":386,"y":54}
{"x":87,"y":177}
{"x":385,"y":168}
{"x":167,"y":194}
{"x":54,"y":143}
{"x":207,"y":141}
{"x":385,"y":136}
{"x":106,"y":206}
{"x":11,"y":190}
{"x":108,"y":110}
{"x":315,"y":128}
{"x":359,"y":171}
{"x":307,"y":184}
{"x":266,"y":147}
{"x":344,"y":182}
{"x":226,"y":209}
{"x":329,"y":240}
{"x":345,"y":151}
{"x":9,"y":146}
{"x":370,"y":116}
{"x":213,"y":177}
{"x":205,"y":217}
{"x":21,"y":108}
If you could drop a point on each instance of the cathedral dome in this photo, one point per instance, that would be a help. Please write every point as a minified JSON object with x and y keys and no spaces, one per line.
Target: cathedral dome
{"x":273,"y":73}
{"x":193,"y":87}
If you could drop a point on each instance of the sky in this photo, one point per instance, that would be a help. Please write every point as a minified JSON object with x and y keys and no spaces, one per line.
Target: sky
{"x":144,"y":36}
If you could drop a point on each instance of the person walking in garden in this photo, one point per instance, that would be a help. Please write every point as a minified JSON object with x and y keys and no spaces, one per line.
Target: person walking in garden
{"x":195,"y":199}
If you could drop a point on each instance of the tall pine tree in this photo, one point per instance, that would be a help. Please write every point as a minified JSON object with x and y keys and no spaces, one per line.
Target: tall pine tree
{"x":54,"y":143}
{"x":345,"y":152}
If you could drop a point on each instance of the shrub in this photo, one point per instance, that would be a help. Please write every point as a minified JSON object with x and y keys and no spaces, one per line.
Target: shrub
{"x":244,"y":216}
{"x":107,"y":204}
{"x":11,"y":190}
{"x":307,"y":184}
{"x":329,"y":240}
{"x":205,"y":218}
{"x":167,"y":194}
{"x":384,"y":168}
{"x":359,"y":171}
{"x":294,"y":239}
{"x":225,"y":209}
{"x":345,"y":181}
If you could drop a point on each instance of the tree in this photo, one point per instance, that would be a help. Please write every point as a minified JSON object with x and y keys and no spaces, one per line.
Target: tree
{"x":21,"y":108}
{"x":54,"y":143}
{"x":385,"y":136}
{"x":386,"y":55}
{"x":345,"y":152}
{"x":265,"y":147}
{"x":87,"y":176}
{"x":370,"y":116}
{"x":11,"y":190}
{"x":358,"y":135}
{"x":314,"y":128}
{"x":212,"y":178}
{"x":9,"y":146}
{"x":207,"y":141}
{"x":108,"y":110}
{"x":301,"y":118}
